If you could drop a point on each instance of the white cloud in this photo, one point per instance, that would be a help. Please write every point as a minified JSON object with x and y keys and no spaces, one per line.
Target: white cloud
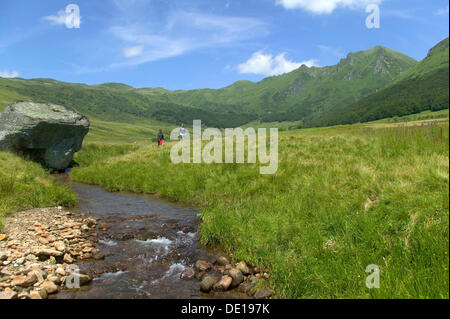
{"x":133,"y":51}
{"x":442,"y":11}
{"x":181,"y":33}
{"x":8,"y":74}
{"x":324,"y":6}
{"x":60,"y":18}
{"x":154,"y":47}
{"x":268,"y":65}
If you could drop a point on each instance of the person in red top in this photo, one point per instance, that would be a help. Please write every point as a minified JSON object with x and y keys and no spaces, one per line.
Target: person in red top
{"x":160,"y":138}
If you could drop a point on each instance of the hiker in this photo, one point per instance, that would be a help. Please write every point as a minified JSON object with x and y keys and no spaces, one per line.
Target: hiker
{"x":160,"y":138}
{"x":182,"y":131}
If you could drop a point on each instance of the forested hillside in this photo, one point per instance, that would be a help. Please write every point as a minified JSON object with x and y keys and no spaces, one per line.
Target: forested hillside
{"x":116,"y":103}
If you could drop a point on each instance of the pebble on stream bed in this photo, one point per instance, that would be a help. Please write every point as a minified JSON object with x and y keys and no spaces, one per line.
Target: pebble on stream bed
{"x":220,"y":276}
{"x":37,"y":249}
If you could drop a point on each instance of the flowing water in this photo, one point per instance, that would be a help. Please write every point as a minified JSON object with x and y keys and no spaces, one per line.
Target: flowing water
{"x":147,"y":243}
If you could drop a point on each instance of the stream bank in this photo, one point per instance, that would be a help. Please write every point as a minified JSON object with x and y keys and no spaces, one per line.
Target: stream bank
{"x":131,"y":246}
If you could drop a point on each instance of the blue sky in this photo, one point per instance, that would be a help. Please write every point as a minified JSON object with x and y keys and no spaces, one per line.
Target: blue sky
{"x":187,"y":44}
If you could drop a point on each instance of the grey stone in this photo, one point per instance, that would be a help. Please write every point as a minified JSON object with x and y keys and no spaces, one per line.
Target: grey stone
{"x":242,"y":266}
{"x":188,"y":273}
{"x":223,"y":284}
{"x":82,"y":279}
{"x":43,"y":132}
{"x":3,"y":255}
{"x":202,"y":265}
{"x":222,"y":261}
{"x":237,"y":277}
{"x":264,"y":294}
{"x":200,"y":275}
{"x":245,"y":287}
{"x":208,"y":282}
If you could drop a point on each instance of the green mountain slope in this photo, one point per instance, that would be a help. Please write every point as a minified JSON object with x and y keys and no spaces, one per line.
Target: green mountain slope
{"x":113,"y":102}
{"x":437,"y":58}
{"x":312,"y":96}
{"x":305,"y":92}
{"x":423,"y":87}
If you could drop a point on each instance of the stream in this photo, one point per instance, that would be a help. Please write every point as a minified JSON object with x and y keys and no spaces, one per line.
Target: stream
{"x":147,"y":243}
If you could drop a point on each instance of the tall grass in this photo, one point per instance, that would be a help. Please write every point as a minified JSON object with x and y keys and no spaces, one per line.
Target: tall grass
{"x":25,"y":185}
{"x":94,"y":153}
{"x":310,"y":222}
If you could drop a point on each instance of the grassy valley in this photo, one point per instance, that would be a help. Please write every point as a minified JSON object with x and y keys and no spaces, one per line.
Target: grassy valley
{"x":343,"y":198}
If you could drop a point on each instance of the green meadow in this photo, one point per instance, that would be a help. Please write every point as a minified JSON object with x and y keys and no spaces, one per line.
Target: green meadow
{"x":26,"y":185}
{"x":343,"y":198}
{"x":124,"y":133}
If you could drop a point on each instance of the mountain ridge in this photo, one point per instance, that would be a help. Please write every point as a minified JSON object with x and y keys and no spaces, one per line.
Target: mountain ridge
{"x":423,"y":87}
{"x":305,"y":94}
{"x":284,"y":91}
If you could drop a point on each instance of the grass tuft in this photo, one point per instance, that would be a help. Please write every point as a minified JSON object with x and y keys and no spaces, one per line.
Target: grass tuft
{"x":26,"y":185}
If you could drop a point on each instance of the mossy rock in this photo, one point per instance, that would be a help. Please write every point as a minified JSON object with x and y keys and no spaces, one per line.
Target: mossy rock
{"x":47,"y":133}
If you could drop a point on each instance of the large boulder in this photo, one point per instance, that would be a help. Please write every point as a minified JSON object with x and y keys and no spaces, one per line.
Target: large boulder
{"x":43,"y":132}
